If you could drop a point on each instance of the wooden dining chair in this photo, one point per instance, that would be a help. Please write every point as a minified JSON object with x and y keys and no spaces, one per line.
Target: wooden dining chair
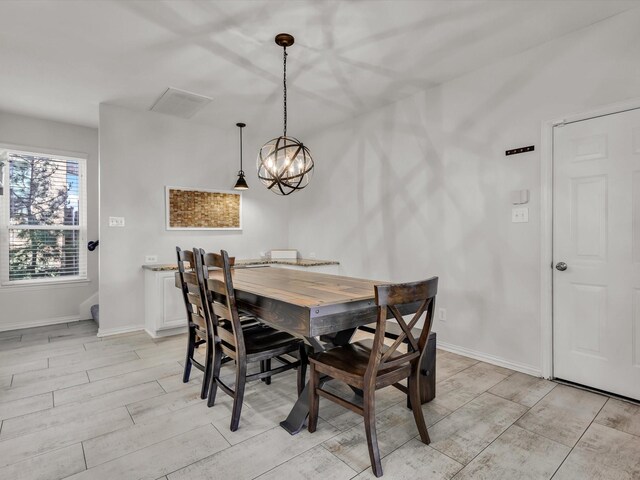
{"x":244,"y":346}
{"x":199,"y":331}
{"x":370,"y":365}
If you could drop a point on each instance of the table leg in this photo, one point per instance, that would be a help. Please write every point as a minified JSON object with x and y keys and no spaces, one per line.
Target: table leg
{"x":297,"y":417}
{"x":427,"y":372}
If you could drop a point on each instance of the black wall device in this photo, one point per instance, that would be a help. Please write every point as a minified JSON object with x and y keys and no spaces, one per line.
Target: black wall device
{"x":515,"y":151}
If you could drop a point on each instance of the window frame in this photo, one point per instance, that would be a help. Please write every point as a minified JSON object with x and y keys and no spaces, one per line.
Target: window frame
{"x":5,"y":226}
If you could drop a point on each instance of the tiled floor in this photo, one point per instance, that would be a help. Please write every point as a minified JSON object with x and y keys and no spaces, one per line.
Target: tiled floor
{"x":75,"y":406}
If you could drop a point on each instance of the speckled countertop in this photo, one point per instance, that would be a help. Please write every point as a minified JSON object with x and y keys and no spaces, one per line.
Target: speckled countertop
{"x":301,"y":262}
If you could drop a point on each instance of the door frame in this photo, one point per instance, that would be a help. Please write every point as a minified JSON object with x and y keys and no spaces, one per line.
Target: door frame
{"x":546,"y":222}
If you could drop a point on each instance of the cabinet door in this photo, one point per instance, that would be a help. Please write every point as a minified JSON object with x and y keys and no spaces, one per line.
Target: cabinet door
{"x":173,"y":310}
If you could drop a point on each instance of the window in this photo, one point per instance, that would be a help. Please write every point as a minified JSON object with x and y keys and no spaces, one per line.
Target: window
{"x":44,"y":220}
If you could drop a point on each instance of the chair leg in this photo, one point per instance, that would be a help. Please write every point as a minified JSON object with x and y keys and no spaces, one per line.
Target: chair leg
{"x":313,"y":399}
{"x":215,"y":374}
{"x":302,"y":369}
{"x":267,"y":367}
{"x":241,"y":378}
{"x":262,"y":370}
{"x":206,"y":379}
{"x":414,"y":395}
{"x":370,"y":429}
{"x":191,"y":337}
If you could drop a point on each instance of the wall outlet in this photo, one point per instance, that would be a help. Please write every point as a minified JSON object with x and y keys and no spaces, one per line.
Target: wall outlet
{"x":312,"y":255}
{"x":116,"y":221}
{"x":151,"y":259}
{"x":520,"y":215}
{"x":442,"y":314}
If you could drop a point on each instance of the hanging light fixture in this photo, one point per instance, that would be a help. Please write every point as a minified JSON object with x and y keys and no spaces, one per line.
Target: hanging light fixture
{"x":284,"y":163}
{"x":241,"y":184}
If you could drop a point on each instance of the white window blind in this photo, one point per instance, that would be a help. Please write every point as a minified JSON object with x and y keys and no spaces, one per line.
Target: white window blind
{"x":44,"y":218}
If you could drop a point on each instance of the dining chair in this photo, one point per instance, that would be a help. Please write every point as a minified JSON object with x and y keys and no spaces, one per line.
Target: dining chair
{"x":370,"y":365}
{"x":244,"y":346}
{"x":198,"y":331}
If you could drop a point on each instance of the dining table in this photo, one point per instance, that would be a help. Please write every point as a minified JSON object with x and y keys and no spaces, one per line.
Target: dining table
{"x":325,"y":310}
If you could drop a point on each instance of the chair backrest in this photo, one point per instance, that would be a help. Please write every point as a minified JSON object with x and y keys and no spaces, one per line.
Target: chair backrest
{"x":221,"y":300}
{"x":390,"y":300}
{"x":187,"y":281}
{"x":185,"y":264}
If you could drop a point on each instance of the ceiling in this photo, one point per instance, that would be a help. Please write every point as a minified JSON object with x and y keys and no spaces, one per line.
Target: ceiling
{"x":61,"y":59}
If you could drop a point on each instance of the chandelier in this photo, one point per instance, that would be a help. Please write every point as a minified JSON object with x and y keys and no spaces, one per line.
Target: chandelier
{"x":284,"y":163}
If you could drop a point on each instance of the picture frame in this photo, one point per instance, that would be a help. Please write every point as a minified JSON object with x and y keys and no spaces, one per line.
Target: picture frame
{"x":188,"y":208}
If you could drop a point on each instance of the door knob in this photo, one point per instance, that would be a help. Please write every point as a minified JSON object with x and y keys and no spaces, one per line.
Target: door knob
{"x":561,"y":266}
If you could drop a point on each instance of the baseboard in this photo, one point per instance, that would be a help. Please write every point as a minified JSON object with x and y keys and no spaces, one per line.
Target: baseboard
{"x":168,"y":332}
{"x":492,"y":359}
{"x":107,"y":332}
{"x":40,"y":323}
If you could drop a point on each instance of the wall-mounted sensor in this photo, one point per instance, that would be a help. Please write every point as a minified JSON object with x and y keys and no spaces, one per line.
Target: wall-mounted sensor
{"x":519,"y":197}
{"x":515,"y":151}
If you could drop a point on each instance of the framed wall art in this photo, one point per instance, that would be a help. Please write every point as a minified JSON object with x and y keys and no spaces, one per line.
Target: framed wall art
{"x":201,"y":209}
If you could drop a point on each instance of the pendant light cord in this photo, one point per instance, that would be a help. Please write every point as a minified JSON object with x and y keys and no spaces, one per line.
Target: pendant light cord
{"x":285,"y":89}
{"x":241,"y":171}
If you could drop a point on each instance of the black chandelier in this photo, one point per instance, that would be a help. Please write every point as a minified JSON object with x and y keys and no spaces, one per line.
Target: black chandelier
{"x":284,"y":163}
{"x":241,"y":184}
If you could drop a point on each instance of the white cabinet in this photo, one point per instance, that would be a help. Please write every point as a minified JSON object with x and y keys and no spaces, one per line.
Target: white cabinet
{"x":164,"y":311}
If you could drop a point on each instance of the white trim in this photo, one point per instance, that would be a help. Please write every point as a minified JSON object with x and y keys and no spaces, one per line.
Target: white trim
{"x":546,"y":222}
{"x":15,"y":287}
{"x":63,"y":279}
{"x":166,"y":208}
{"x":167,"y":332}
{"x":618,"y":107}
{"x":64,"y":154}
{"x":107,"y":332}
{"x":492,"y":359}
{"x":546,"y":250}
{"x":40,"y":323}
{"x":82,"y":228}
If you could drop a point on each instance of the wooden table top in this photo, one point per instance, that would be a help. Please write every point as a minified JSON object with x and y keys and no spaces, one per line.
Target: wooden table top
{"x":300,"y":288}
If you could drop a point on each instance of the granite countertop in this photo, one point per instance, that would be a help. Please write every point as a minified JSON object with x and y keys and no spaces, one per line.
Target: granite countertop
{"x":251,"y":262}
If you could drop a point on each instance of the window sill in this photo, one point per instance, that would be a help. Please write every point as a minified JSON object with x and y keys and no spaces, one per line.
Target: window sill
{"x":31,"y":286}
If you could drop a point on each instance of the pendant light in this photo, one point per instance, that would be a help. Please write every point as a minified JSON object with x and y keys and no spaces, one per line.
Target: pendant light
{"x":284,"y":163}
{"x":241,"y":184}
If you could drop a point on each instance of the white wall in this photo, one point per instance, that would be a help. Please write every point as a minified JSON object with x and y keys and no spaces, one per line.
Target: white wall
{"x":141,"y":153}
{"x":427,"y":184}
{"x":26,"y":306}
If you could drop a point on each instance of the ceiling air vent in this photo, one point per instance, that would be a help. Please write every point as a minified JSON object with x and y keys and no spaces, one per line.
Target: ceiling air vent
{"x":179,"y":103}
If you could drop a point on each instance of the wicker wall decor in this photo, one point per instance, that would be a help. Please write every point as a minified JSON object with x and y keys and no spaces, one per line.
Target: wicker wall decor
{"x":198,"y":209}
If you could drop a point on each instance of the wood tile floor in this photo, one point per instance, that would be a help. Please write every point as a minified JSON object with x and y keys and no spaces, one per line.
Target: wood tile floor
{"x":76,"y":406}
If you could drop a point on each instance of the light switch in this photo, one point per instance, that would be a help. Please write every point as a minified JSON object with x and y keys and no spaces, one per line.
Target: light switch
{"x":116,"y":221}
{"x":520,"y":215}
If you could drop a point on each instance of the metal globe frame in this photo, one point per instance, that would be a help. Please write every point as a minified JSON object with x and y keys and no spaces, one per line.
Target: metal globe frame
{"x":285,"y":164}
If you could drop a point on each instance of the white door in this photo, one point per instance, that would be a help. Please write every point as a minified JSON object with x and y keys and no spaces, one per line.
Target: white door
{"x":596,"y":233}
